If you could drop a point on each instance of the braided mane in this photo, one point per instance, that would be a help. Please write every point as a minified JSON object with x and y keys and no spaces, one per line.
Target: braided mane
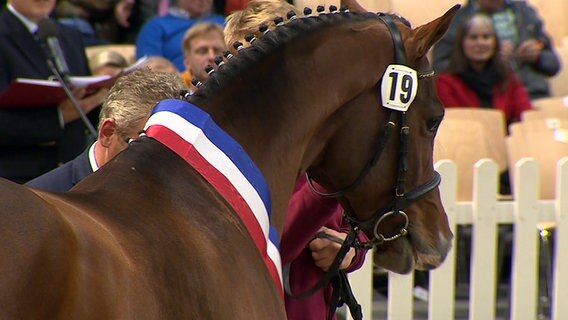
{"x":274,"y":40}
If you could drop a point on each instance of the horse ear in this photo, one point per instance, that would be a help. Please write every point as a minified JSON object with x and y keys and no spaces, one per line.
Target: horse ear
{"x":427,"y":35}
{"x":353,"y":6}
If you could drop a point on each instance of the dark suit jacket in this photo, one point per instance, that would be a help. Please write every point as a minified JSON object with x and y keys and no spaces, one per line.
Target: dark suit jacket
{"x":32,"y":141}
{"x":65,"y":177}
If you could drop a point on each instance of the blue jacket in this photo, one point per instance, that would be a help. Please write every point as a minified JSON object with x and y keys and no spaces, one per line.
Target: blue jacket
{"x":162,"y":36}
{"x":534,"y":76}
{"x":65,"y":177}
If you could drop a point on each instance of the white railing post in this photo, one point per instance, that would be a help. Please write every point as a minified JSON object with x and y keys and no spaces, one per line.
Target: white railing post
{"x":525,"y":242}
{"x":400,"y":303}
{"x":441,"y":292}
{"x":484,"y":241}
{"x":362,"y":285}
{"x":560,"y":286}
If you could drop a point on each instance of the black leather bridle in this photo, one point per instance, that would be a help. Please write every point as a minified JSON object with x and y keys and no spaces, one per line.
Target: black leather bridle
{"x":342,"y":290}
{"x":402,"y":199}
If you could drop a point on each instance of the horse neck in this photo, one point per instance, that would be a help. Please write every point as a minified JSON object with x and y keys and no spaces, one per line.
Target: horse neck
{"x":294,"y":94}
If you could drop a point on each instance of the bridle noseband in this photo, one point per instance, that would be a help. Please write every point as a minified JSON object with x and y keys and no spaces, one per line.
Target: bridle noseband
{"x":402,"y":198}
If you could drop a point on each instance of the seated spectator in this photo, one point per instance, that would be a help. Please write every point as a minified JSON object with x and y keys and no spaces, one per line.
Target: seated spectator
{"x":201,"y":44}
{"x":162,"y":36}
{"x":525,"y":45}
{"x":160,"y":64}
{"x":123,"y":115}
{"x":107,"y":62}
{"x":477,"y":76}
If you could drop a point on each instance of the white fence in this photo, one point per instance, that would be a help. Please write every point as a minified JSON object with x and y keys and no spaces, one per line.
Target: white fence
{"x":485,"y":212}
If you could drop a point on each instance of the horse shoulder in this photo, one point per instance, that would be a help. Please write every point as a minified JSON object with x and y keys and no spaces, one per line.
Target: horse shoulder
{"x":36,"y":244}
{"x":63,"y":263}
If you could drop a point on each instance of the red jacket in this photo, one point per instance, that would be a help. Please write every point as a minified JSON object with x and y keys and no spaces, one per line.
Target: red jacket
{"x":234,"y":5}
{"x":453,"y":92}
{"x":307,"y":213}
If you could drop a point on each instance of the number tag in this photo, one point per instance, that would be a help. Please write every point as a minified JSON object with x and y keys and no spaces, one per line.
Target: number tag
{"x":399,"y":87}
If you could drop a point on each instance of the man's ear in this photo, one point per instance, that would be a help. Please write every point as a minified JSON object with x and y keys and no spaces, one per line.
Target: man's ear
{"x":186,"y":63}
{"x":106,"y":130}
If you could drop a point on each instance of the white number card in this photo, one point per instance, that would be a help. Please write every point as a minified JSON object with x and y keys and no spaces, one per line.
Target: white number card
{"x":399,"y":87}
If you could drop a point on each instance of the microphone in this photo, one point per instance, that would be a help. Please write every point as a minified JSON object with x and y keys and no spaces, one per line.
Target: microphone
{"x":48,"y":33}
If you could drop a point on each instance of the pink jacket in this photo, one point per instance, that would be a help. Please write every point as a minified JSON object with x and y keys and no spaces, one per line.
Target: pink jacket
{"x":307,"y":213}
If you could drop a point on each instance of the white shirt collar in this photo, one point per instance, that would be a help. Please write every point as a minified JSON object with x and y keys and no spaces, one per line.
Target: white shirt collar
{"x":30,"y":25}
{"x":92,"y":159}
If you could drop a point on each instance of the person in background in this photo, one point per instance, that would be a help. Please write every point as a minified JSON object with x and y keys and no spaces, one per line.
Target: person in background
{"x":36,"y":140}
{"x":162,"y":36}
{"x":123,"y":115}
{"x":477,"y":76}
{"x":97,"y":20}
{"x":525,"y":45}
{"x":201,"y":44}
{"x":142,"y":11}
{"x":160,"y":64}
{"x":107,"y":62}
{"x":306,"y":254}
{"x":247,"y":21}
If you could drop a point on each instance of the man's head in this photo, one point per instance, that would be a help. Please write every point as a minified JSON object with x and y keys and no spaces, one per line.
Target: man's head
{"x":201,"y":44}
{"x":490,"y":6}
{"x":35,"y":10}
{"x":240,"y":23}
{"x":128,"y":105}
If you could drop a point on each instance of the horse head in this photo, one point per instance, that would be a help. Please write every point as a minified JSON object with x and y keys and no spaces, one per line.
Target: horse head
{"x":368,"y":140}
{"x":378,"y":158}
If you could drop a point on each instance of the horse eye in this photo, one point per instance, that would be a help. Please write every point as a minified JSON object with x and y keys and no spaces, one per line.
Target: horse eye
{"x":433,"y":123}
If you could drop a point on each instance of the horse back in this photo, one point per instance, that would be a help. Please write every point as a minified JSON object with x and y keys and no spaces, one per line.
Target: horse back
{"x":57,"y":265}
{"x":146,"y":244}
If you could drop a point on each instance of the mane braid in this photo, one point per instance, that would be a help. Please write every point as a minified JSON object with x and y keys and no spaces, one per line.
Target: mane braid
{"x":270,"y":42}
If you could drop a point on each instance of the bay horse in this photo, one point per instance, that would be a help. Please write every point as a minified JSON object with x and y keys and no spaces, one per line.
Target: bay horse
{"x":149,"y":236}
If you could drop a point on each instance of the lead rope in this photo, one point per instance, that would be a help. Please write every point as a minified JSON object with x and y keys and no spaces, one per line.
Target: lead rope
{"x":338,"y":279}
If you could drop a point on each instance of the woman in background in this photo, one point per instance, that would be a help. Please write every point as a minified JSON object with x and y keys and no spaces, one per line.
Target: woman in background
{"x":477,"y":76}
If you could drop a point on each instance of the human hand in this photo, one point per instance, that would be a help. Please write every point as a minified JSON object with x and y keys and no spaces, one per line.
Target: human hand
{"x":122,"y":11}
{"x":87,"y":103}
{"x":324,"y":250}
{"x":529,"y":50}
{"x":507,"y":50}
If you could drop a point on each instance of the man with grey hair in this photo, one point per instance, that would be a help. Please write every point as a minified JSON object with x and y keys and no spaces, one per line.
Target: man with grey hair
{"x":123,"y":115}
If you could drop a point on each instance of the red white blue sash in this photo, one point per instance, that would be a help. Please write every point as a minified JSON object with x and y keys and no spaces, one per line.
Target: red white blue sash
{"x":193,"y":135}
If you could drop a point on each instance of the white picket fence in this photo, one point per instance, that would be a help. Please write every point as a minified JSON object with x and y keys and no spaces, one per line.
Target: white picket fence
{"x":485,"y":212}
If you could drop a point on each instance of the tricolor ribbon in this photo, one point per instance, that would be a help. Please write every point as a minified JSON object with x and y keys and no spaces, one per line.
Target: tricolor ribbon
{"x":193,"y":135}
